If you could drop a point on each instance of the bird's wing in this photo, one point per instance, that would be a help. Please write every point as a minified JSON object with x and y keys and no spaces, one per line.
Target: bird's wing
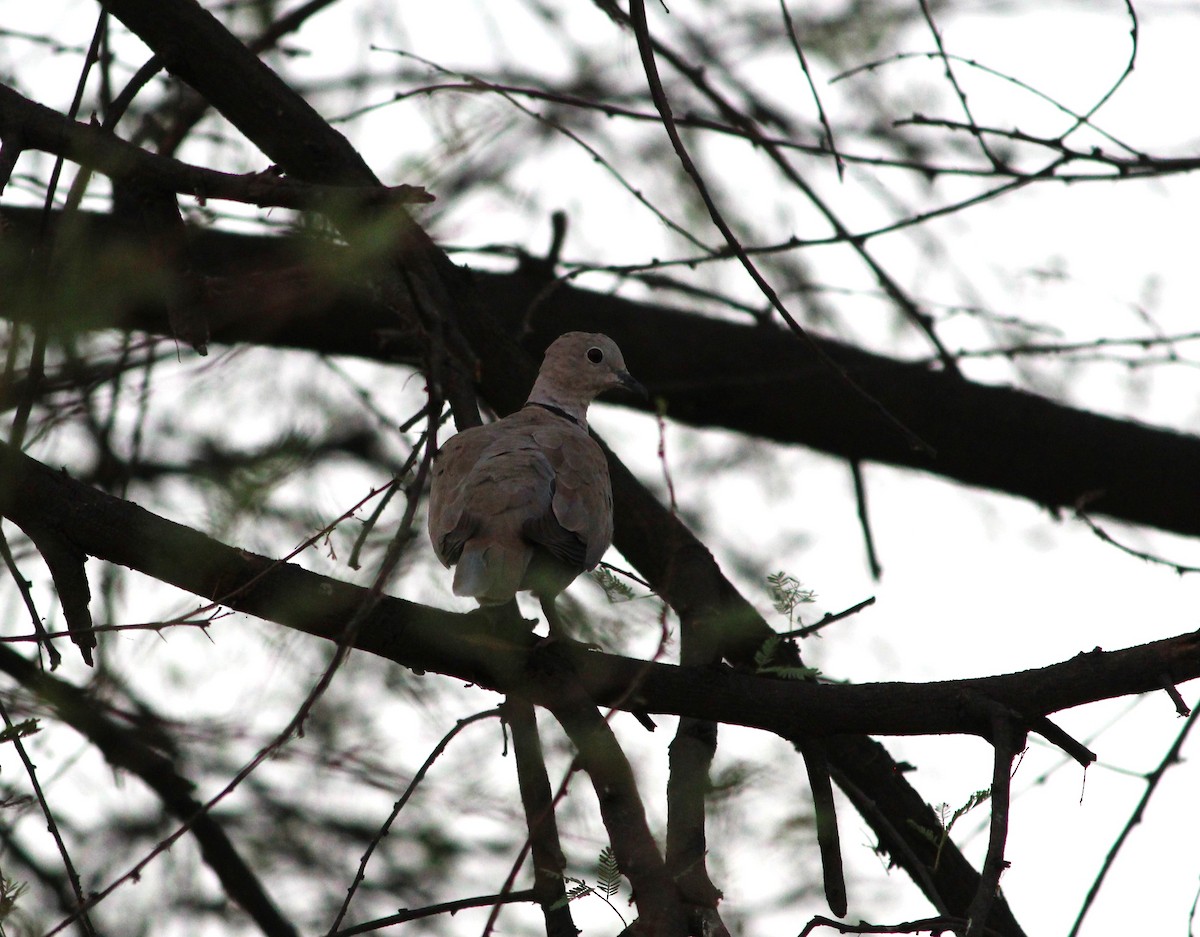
{"x":449,"y":526}
{"x":533,"y":479}
{"x":579,"y":528}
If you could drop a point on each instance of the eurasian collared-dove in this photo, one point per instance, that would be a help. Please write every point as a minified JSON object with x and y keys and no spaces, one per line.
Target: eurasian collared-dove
{"x":524,"y":504}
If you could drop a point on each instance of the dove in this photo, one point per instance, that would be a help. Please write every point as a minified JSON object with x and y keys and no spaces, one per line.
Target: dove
{"x":525,"y":503}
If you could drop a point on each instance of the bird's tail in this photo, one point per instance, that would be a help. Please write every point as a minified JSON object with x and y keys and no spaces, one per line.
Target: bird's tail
{"x":490,"y":572}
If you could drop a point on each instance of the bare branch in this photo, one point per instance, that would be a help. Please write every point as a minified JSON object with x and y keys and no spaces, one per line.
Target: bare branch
{"x":40,"y":128}
{"x":125,"y":749}
{"x":1007,"y":741}
{"x":51,"y":825}
{"x":446,"y":907}
{"x":417,"y":778}
{"x":1170,"y":759}
{"x":549,"y":864}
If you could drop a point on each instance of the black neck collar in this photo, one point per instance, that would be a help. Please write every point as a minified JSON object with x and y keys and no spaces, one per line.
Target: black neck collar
{"x":557,"y":411}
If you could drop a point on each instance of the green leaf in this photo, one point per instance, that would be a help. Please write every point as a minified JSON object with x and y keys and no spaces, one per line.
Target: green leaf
{"x":617,"y":590}
{"x":786,"y":593}
{"x":10,"y":891}
{"x":19,"y":730}
{"x":609,"y":872}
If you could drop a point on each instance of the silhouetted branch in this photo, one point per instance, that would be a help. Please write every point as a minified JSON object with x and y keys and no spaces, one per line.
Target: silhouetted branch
{"x":14,"y":737}
{"x":1170,"y":759}
{"x":125,"y":749}
{"x":538,"y":801}
{"x":39,"y":630}
{"x":716,"y":374}
{"x":37,"y":127}
{"x":556,"y":681}
{"x":1007,"y":741}
{"x":66,"y":564}
{"x":417,"y":778}
{"x":460,"y":645}
{"x":445,"y":907}
{"x":430,"y":640}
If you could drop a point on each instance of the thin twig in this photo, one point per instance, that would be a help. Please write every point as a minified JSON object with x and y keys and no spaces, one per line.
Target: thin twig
{"x":1152,"y":781}
{"x":934,"y":925}
{"x":344,"y":644}
{"x":40,"y":635}
{"x":73,"y":876}
{"x":596,"y":155}
{"x":201,"y":623}
{"x":637,"y":13}
{"x":829,"y":619}
{"x":1079,"y":118}
{"x":953,"y":79}
{"x":417,"y":778}
{"x":1100,"y":532}
{"x":40,"y":259}
{"x":864,"y":520}
{"x":446,"y":907}
{"x":799,"y":50}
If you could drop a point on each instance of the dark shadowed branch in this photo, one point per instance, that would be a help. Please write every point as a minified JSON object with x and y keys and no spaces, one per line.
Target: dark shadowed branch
{"x":128,"y":750}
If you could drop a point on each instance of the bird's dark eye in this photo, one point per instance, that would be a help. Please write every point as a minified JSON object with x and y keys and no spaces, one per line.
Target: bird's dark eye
{"x":595,"y":355}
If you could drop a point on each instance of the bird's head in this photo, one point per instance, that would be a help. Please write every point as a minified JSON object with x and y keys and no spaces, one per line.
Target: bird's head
{"x":579,"y":366}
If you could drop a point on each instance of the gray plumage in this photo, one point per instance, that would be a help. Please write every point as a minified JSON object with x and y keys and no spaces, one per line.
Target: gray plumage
{"x":525,"y":503}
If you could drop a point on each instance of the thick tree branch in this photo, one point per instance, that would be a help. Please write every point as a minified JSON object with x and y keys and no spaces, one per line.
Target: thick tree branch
{"x":462,"y":646}
{"x":189,"y":40}
{"x":427,"y":639}
{"x":709,"y":372}
{"x":1007,"y":742}
{"x":660,"y":910}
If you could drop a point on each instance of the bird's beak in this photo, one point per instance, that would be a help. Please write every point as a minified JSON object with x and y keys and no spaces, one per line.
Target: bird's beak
{"x":631,"y":383}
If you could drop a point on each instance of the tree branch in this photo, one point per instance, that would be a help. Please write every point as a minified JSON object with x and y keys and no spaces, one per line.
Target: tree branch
{"x":1007,"y":742}
{"x":716,"y":374}
{"x":127,"y":750}
{"x":459,"y":645}
{"x":549,"y":864}
{"x":35,"y":127}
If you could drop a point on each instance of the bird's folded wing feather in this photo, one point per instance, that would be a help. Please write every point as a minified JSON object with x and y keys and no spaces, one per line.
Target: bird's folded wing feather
{"x":510,"y":474}
{"x":582,"y":495}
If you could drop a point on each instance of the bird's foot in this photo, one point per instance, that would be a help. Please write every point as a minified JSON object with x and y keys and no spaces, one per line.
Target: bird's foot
{"x":564,"y":641}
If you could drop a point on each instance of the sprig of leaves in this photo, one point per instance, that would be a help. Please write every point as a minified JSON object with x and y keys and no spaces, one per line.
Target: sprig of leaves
{"x":20,"y":730}
{"x":617,"y":590}
{"x":786,"y":593}
{"x":939,"y":838}
{"x":10,"y":891}
{"x":609,"y":871}
{"x":608,"y":884}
